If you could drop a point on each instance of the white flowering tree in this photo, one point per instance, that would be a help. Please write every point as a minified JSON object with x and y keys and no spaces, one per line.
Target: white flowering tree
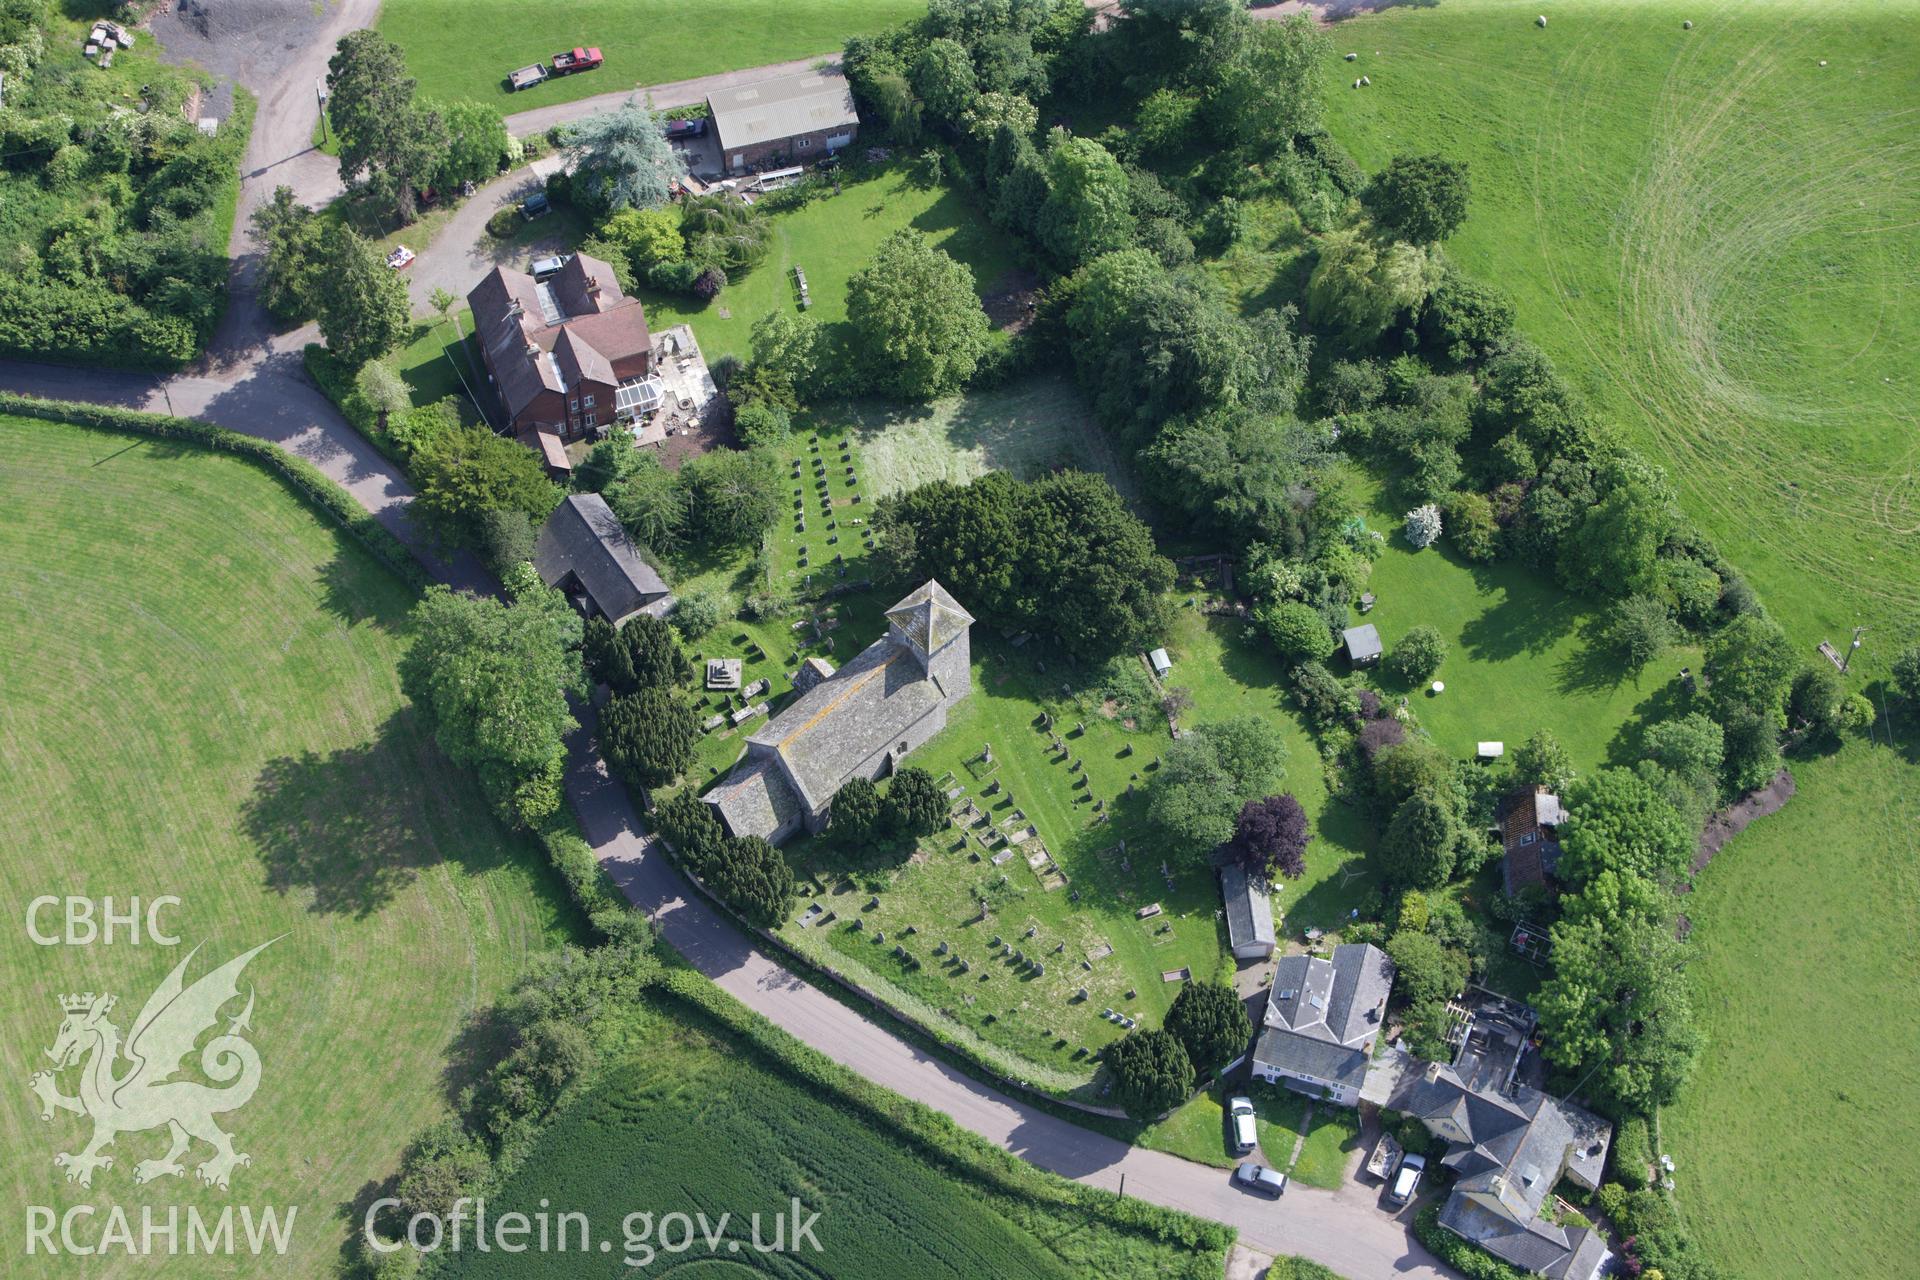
{"x":1423,"y":526}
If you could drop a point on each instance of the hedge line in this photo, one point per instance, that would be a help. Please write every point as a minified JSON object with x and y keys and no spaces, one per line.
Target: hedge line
{"x":933,"y":1136}
{"x":306,"y":481}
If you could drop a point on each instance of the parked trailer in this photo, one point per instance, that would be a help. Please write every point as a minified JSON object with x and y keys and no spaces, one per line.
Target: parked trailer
{"x":527,"y":77}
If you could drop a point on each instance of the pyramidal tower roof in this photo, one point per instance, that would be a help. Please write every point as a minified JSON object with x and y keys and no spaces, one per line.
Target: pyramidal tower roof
{"x":929,"y":617}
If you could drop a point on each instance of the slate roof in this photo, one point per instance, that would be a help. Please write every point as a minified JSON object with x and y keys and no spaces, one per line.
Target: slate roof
{"x":584,"y":540}
{"x":825,"y":733}
{"x":578,"y":361}
{"x":781,"y":107}
{"x":930,"y":617}
{"x":1322,"y":1014}
{"x":755,"y":798}
{"x":1249,"y":908}
{"x":1538,"y":1246}
{"x":1509,"y":1150}
{"x":1362,"y":642}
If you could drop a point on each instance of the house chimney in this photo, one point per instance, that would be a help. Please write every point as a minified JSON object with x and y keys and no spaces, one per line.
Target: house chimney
{"x":514,"y":309}
{"x":533,"y":351}
{"x":593,"y":284}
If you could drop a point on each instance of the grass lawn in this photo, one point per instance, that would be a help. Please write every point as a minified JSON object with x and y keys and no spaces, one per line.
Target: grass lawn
{"x":1198,"y":1130}
{"x":830,"y":239}
{"x":705,"y":1123}
{"x":1027,"y":428}
{"x":1521,"y":654}
{"x":1711,"y":233}
{"x":646,"y":42}
{"x":212,"y":710}
{"x":1333,"y":1134}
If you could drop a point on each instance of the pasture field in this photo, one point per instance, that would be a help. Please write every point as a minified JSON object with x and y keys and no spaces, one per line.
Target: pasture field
{"x":463,"y":49}
{"x":200,"y":698}
{"x":1718,"y":238}
{"x":707,"y":1121}
{"x":830,"y":239}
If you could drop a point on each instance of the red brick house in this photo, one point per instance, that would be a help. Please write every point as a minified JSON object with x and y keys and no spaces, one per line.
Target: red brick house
{"x":557,"y":350}
{"x":788,"y":120}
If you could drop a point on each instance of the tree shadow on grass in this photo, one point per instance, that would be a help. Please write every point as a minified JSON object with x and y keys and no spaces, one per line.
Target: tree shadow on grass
{"x":353,"y":827}
{"x":1667,"y":702}
{"x":1592,"y":668}
{"x":356,"y":590}
{"x":1521,"y":618}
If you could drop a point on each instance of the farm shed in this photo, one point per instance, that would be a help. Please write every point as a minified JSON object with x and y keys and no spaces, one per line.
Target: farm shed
{"x":790,"y":119}
{"x":1160,"y":662}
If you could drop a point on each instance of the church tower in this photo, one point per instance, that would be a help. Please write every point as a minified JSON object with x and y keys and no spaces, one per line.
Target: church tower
{"x":931,"y":625}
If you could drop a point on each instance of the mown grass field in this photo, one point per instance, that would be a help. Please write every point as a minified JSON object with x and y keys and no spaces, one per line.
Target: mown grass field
{"x":1719,"y":239}
{"x":703,"y":1122}
{"x":200,"y":698}
{"x":465,"y":48}
{"x":830,"y":239}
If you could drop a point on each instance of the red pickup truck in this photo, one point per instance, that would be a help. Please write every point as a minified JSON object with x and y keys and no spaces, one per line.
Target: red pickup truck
{"x":565,"y":64}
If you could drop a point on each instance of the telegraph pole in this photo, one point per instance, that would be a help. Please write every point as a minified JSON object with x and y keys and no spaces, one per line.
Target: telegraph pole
{"x":320,"y":92}
{"x":1852,"y":648}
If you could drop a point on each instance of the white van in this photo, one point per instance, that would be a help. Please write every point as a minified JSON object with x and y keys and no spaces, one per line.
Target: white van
{"x":1240,"y":1113}
{"x":1408,"y":1181}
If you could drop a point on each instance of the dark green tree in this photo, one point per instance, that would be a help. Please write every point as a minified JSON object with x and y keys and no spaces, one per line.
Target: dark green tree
{"x":1752,"y":747}
{"x":648,"y":737}
{"x":1151,"y":1073}
{"x":397,"y":144}
{"x":856,"y":810}
{"x":752,"y":877}
{"x":1419,"y":199}
{"x":731,"y":497}
{"x":643,"y":654}
{"x":288,"y":235}
{"x":916,"y":317}
{"x":1417,"y":656}
{"x":465,"y":472}
{"x":1618,"y":822}
{"x":1205,"y":778}
{"x":361,"y":304}
{"x":1421,"y":842}
{"x":1210,"y":1022}
{"x":914,"y":805}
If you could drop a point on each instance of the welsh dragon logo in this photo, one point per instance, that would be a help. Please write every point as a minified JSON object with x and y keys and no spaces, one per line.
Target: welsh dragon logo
{"x":142,"y":1095}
